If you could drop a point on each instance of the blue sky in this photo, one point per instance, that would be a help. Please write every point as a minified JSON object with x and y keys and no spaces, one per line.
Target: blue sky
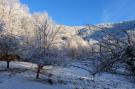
{"x":81,"y":12}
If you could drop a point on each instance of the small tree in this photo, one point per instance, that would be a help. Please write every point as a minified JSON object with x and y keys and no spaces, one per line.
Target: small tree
{"x":116,"y":51}
{"x":8,"y":44}
{"x":8,"y":48}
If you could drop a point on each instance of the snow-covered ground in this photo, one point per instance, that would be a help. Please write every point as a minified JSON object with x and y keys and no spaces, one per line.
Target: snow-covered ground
{"x":21,"y":75}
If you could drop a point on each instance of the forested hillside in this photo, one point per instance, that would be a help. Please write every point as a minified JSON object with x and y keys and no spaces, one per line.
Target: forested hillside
{"x":37,"y":53}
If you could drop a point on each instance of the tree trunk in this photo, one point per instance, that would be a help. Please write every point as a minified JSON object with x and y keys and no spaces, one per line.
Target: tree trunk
{"x":38,"y":70}
{"x":8,"y":62}
{"x":132,"y":67}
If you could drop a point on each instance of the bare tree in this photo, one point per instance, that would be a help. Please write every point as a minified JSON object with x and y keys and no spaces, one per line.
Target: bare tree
{"x":116,"y":51}
{"x":9,"y":45}
{"x":18,"y":23}
{"x":44,"y":42}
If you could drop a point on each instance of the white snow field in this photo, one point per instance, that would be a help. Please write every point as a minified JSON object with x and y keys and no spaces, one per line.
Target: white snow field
{"x":21,"y":75}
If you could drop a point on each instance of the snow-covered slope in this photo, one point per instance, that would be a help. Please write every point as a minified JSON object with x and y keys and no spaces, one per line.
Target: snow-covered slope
{"x":96,"y":32}
{"x":22,"y":76}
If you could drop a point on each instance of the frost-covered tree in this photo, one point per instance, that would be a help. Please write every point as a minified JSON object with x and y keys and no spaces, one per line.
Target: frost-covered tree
{"x":46,"y":35}
{"x":42,"y":49}
{"x":12,"y":12}
{"x":117,"y":51}
{"x":18,"y":23}
{"x":74,"y":46}
{"x":9,"y":45}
